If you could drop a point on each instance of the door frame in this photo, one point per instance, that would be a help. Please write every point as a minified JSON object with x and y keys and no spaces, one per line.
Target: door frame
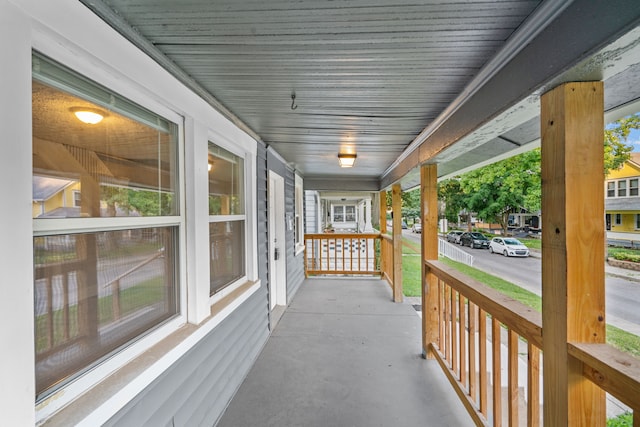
{"x":277,"y":240}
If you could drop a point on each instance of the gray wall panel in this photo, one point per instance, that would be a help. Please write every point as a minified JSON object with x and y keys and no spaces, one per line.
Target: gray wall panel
{"x":197,"y":388}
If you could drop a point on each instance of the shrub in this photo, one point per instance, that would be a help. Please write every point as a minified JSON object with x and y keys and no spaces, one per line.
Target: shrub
{"x":627,"y":256}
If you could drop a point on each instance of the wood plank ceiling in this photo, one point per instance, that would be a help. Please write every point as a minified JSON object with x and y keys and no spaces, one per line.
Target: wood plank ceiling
{"x":368,"y":75}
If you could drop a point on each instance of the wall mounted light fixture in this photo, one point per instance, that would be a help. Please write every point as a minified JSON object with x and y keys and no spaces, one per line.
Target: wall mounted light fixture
{"x":90,"y":116}
{"x":346,"y":160}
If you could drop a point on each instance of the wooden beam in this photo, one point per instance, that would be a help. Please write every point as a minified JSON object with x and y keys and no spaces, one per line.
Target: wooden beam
{"x":396,"y":191}
{"x":429,"y":217}
{"x":383,"y":230}
{"x":573,"y":308}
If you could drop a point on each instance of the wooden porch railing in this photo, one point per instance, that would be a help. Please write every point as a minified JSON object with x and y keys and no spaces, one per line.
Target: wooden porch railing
{"x":386,"y":254}
{"x":342,"y":253}
{"x":474,"y":321}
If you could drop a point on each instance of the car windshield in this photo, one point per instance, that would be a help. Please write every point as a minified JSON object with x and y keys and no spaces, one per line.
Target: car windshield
{"x":477,"y":236}
{"x":512,"y":242}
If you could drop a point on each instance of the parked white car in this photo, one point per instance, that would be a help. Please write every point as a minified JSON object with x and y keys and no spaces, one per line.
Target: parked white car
{"x":508,"y":246}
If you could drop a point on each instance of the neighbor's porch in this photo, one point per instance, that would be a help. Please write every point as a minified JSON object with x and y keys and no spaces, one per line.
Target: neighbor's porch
{"x":344,"y":354}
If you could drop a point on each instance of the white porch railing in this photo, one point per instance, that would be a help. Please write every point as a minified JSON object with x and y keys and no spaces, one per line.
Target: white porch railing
{"x":453,"y":252}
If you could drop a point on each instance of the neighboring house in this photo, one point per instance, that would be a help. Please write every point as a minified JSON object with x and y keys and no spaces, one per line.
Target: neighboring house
{"x":341,"y":212}
{"x":622,"y":201}
{"x":56,"y":197}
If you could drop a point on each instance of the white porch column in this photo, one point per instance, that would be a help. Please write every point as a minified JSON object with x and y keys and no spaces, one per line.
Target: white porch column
{"x":368,"y":227}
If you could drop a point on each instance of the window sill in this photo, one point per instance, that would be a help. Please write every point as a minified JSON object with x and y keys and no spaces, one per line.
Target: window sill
{"x":103,"y":401}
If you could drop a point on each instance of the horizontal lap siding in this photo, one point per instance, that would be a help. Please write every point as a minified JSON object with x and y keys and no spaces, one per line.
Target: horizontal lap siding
{"x":197,"y":388}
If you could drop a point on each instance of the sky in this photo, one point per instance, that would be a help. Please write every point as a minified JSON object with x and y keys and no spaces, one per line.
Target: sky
{"x":634,"y":139}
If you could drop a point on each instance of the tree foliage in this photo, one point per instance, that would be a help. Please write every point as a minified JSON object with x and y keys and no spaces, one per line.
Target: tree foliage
{"x":616,"y":149}
{"x":496,"y":190}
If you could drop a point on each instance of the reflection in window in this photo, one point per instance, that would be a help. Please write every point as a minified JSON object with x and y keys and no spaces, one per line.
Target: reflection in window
{"x":226,"y":218}
{"x":226,"y":182}
{"x":95,"y":292}
{"x":123,"y":165}
{"x":227,"y":263}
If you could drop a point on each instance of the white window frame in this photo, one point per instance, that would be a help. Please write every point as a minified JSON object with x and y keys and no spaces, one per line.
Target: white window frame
{"x":617,"y":219}
{"x":299,"y":214}
{"x":611,"y":189}
{"x":91,"y":69}
{"x":344,"y":213}
{"x":239,"y":150}
{"x":621,"y":187}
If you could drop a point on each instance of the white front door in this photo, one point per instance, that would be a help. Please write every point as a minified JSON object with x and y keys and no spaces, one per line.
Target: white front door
{"x":277,"y":253}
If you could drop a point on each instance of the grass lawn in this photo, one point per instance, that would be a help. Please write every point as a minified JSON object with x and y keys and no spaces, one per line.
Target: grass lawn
{"x":411,"y":282}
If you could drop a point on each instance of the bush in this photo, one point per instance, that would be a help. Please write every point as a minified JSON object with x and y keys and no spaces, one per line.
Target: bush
{"x":622,"y":420}
{"x":626,"y":256}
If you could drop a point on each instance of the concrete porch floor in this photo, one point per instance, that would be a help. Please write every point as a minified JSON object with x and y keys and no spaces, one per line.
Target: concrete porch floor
{"x":343,"y":354}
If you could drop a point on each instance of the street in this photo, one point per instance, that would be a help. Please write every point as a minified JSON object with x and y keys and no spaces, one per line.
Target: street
{"x":622,"y":294}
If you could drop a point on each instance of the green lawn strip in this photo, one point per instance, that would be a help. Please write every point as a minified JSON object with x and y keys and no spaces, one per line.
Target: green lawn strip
{"x":622,"y":340}
{"x":411,"y":275}
{"x":532,"y":243}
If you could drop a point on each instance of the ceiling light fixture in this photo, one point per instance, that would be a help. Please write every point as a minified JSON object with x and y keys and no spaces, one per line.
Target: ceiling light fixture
{"x":90,"y":116}
{"x":346,"y":160}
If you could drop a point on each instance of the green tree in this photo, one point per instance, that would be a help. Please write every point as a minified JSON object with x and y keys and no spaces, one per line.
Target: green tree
{"x":497,"y":190}
{"x":450,"y":193}
{"x":616,"y":149}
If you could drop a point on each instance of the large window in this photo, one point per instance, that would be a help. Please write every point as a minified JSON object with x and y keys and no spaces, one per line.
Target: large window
{"x":227,"y":218}
{"x":344,"y":213}
{"x":101,"y":282}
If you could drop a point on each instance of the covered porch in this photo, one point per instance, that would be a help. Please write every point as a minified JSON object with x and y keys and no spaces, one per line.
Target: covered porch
{"x":344,"y":354}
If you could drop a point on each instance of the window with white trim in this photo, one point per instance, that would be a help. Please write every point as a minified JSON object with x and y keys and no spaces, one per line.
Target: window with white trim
{"x":633,"y":187}
{"x":227,"y":218}
{"x":637,"y":221}
{"x":611,"y":189}
{"x":105,"y":271}
{"x":618,"y":219}
{"x":299,"y":214}
{"x":344,"y":213}
{"x":622,"y":188}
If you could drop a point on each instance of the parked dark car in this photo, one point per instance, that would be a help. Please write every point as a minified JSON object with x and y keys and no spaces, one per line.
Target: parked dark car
{"x":454,"y":236}
{"x":474,"y":240}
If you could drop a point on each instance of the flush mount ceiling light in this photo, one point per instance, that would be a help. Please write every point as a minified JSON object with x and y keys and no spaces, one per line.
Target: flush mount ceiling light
{"x":346,"y":160}
{"x":90,"y":116}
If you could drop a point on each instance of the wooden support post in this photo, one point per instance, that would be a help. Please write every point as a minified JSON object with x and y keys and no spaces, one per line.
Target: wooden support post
{"x":573,"y":299}
{"x":429,"y":217}
{"x":396,"y":203}
{"x":383,"y":230}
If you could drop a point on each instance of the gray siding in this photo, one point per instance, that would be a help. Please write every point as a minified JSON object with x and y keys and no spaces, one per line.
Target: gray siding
{"x":311,"y":211}
{"x":197,"y":388}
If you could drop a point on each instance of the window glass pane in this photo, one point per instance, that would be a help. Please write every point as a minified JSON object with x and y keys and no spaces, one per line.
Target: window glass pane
{"x":611,"y":189}
{"x":226,"y":182}
{"x":338,"y":214}
{"x":226,"y":253}
{"x":350,"y":213}
{"x":633,"y":187}
{"x":622,"y":188}
{"x":96,"y":292}
{"x":637,"y":221}
{"x":124,"y":165}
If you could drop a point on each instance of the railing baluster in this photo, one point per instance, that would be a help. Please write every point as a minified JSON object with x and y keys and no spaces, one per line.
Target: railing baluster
{"x":50,"y":323}
{"x":463,"y":340}
{"x":533,"y":386}
{"x":472,"y":352}
{"x":65,"y":306}
{"x":497,"y":377}
{"x":441,"y":318}
{"x":513,"y":396}
{"x":482,"y":344}
{"x":447,"y":317}
{"x":454,"y":333}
